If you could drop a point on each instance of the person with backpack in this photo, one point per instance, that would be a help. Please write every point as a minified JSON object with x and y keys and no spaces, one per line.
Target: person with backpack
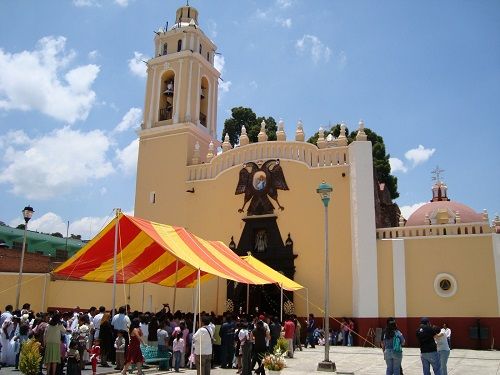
{"x":392,"y":343}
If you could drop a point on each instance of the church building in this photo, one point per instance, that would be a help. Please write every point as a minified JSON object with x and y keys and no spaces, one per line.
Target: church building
{"x":443,"y":262}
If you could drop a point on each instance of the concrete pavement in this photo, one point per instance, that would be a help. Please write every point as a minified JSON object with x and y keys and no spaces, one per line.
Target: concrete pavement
{"x":357,"y":361}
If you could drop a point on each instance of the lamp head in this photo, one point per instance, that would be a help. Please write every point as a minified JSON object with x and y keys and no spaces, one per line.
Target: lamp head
{"x":324,"y":191}
{"x":28,"y":213}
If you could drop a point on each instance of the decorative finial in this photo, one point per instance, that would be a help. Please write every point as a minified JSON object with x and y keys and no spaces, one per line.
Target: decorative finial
{"x":196,"y":154}
{"x":401,"y":221}
{"x":210,"y":153}
{"x":299,"y":133}
{"x":244,"y":137}
{"x":342,"y":139}
{"x":280,"y":134}
{"x":321,"y":143}
{"x":361,"y":136}
{"x":485,"y":215}
{"x":226,"y":145}
{"x":262,"y":136}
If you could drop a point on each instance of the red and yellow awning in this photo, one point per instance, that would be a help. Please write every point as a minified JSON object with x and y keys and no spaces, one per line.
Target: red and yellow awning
{"x":156,"y":253}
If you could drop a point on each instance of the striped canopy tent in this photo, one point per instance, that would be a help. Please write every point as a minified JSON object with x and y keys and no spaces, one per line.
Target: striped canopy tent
{"x":156,"y":253}
{"x":279,"y":278}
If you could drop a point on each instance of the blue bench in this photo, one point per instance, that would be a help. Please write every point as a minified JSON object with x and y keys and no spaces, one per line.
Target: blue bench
{"x":151,"y":355}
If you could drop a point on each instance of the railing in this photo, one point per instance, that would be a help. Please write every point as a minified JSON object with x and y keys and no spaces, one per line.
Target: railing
{"x":165,"y":114}
{"x":434,"y":230}
{"x":298,"y":151}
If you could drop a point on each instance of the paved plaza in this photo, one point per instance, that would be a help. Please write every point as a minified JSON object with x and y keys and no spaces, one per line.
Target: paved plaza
{"x":358,"y":361}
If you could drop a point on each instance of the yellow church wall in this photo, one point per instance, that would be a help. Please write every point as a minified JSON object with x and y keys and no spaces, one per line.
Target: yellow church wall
{"x":213,"y":214}
{"x":469,"y":259}
{"x":32,"y":287}
{"x":385,"y":278}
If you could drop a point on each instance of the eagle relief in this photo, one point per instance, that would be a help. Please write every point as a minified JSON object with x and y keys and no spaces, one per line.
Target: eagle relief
{"x":259,"y":181}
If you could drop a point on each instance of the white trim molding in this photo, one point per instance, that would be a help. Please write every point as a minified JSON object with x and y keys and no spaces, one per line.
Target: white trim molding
{"x":364,"y":243}
{"x":496,"y":256}
{"x":399,"y":278}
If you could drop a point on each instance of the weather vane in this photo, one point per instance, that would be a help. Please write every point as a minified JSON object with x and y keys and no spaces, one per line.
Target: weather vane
{"x":437,"y":172}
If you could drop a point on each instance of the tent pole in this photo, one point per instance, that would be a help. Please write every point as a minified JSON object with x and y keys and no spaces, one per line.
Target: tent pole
{"x":142,"y":297}
{"x":307,"y":303}
{"x":281,"y":309}
{"x":175,"y":286}
{"x":47,"y":275}
{"x":196,"y":296}
{"x":115,"y":250}
{"x":248,"y":298}
{"x":217,"y":300}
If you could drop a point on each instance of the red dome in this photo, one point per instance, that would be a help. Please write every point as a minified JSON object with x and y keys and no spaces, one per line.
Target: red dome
{"x":467,"y":214}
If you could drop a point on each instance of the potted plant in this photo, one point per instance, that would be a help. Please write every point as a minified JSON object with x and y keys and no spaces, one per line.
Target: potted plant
{"x":30,"y":358}
{"x":274,"y":362}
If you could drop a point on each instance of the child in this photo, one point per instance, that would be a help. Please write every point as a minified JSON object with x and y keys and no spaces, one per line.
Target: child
{"x":95,"y":354}
{"x":178,"y":348}
{"x":73,"y":359}
{"x":120,"y":351}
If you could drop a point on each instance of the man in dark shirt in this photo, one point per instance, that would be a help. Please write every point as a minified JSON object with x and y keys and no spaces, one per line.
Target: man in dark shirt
{"x":428,"y":349}
{"x":311,"y":326}
{"x":227,"y":342}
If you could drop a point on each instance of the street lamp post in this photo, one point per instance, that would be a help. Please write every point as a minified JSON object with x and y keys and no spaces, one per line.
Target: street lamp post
{"x":27,"y":213}
{"x":324,"y":191}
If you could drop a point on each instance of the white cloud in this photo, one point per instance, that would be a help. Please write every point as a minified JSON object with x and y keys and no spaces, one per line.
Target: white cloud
{"x":419,"y":155}
{"x":127,"y":157}
{"x":55,"y":163}
{"x":406,"y":211}
{"x":131,"y":119}
{"x":397,"y":165}
{"x":312,"y":44}
{"x":86,"y":3}
{"x":137,"y":66}
{"x":92,"y":55}
{"x":284,"y":3}
{"x":225,"y":86}
{"x":284,"y":22}
{"x":122,"y":3}
{"x":262,"y":14}
{"x":219,"y":63}
{"x":31,"y":80}
{"x":50,"y":222}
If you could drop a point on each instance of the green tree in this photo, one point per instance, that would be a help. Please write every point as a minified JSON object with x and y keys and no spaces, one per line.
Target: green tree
{"x":75,"y":236}
{"x":57,"y":234}
{"x":246,"y":116}
{"x":21,"y":226}
{"x":380,"y":157}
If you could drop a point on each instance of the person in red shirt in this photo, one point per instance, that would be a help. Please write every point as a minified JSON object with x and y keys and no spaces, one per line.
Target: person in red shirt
{"x":289,"y":334}
{"x":95,"y":354}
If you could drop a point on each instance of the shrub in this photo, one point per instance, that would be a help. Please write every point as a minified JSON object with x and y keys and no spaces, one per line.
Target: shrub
{"x":281,"y":346}
{"x":30,"y":358}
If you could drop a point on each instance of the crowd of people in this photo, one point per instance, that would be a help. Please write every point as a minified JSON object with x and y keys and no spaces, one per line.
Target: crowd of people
{"x":71,"y":340}
{"x":434,"y":343}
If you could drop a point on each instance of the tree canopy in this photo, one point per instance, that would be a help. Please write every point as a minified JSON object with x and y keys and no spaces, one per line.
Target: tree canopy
{"x":246,"y":116}
{"x":380,"y":157}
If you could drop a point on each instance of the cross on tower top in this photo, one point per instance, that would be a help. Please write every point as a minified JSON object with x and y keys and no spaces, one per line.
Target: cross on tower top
{"x":437,"y":173}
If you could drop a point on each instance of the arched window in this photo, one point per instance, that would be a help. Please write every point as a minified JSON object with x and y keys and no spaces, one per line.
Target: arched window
{"x":179,"y":45}
{"x":200,"y":48}
{"x":167,"y":96}
{"x":203,"y":101}
{"x":165,"y":49}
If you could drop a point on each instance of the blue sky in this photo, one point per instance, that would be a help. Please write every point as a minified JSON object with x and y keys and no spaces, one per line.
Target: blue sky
{"x":424,"y":75}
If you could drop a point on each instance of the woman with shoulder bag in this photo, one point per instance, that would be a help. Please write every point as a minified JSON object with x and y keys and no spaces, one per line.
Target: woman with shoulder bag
{"x":392,"y":344}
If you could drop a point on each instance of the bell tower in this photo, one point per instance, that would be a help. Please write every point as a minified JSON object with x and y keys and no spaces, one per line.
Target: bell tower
{"x":180,"y":109}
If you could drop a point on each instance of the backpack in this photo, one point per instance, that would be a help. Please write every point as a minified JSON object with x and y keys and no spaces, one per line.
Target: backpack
{"x":396,"y":344}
